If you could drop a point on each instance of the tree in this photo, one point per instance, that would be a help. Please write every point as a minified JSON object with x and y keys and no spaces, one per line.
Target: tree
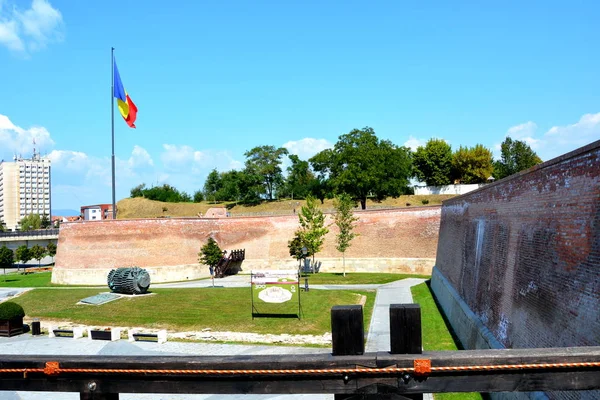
{"x":362,"y":165}
{"x":231,"y":182}
{"x":198,"y":196}
{"x":250,"y":187}
{"x":23,"y":254}
{"x":297,"y":183}
{"x":6,"y":258}
{"x":2,"y":227}
{"x":472,"y":165}
{"x":185,"y":197}
{"x":320,"y":188}
{"x":138,"y":191}
{"x":212,"y":184}
{"x":312,"y":227}
{"x":433,"y":163}
{"x":45,"y":222}
{"x":165,"y":193}
{"x":295,"y":245}
{"x":265,"y":162}
{"x":344,"y":219}
{"x":31,"y":222}
{"x":51,"y":250}
{"x":516,"y":156}
{"x":37,"y":253}
{"x":210,"y":254}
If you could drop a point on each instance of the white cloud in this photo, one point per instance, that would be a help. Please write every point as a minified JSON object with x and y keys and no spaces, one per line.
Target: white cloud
{"x":558,"y":139}
{"x":175,"y":157}
{"x":523,"y":130}
{"x":73,"y":161}
{"x":585,"y":131}
{"x":16,"y":140}
{"x":9,"y":35}
{"x":184,"y":158}
{"x":140,"y":158}
{"x":413,"y":143}
{"x":307,"y":147}
{"x":32,"y":29}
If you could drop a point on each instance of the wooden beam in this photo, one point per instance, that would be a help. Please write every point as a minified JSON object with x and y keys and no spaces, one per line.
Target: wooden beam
{"x":262,"y":382}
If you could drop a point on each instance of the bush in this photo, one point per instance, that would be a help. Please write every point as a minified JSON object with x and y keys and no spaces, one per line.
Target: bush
{"x":10,"y":310}
{"x":425,"y":201}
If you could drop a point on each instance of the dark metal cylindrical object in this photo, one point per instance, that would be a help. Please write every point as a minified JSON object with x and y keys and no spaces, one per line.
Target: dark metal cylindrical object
{"x":132,"y":280}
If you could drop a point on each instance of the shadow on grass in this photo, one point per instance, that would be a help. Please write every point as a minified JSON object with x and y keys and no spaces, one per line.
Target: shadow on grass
{"x":265,"y":315}
{"x":446,"y":321}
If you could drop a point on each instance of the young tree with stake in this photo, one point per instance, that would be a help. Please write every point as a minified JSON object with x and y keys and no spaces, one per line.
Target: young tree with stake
{"x":344,"y":219}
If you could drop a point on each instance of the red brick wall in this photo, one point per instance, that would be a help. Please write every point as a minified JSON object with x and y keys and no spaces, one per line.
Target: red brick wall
{"x":524,"y":252}
{"x":401,"y":233}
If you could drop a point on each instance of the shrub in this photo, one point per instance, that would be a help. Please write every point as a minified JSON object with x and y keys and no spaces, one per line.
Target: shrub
{"x":10,"y":310}
{"x":425,"y":201}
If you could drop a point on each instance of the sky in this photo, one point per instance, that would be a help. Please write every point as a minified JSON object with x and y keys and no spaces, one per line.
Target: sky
{"x":213,"y":79}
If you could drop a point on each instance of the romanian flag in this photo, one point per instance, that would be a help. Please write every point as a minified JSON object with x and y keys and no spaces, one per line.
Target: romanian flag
{"x":126,"y":107}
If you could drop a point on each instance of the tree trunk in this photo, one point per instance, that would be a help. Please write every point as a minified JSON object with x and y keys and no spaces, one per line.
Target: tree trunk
{"x":344,"y":263}
{"x":363,"y":203}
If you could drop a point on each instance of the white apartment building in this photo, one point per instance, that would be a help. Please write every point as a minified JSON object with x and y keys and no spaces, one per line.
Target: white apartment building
{"x":24,"y":189}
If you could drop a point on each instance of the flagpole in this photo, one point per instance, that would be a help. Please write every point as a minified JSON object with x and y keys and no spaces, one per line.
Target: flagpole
{"x":112,"y":114}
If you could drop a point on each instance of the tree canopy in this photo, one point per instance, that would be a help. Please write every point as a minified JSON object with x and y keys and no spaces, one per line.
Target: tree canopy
{"x":433,"y":163}
{"x":6,"y":257}
{"x":31,"y":222}
{"x":45,"y":222}
{"x":265,"y":162}
{"x":361,"y":165}
{"x":164,"y":193}
{"x":210,"y":254}
{"x":37,"y":252}
{"x":51,"y":249}
{"x":516,"y":156}
{"x":23,"y":254}
{"x":212,"y":184}
{"x":299,"y":178}
{"x":312,"y":228}
{"x":472,"y":165}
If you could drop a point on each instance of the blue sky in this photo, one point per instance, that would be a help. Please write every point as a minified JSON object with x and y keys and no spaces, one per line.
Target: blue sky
{"x":212,"y":79}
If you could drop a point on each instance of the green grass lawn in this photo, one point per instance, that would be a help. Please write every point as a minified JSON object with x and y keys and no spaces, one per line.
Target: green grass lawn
{"x":356,"y":278}
{"x":42,"y":279}
{"x":436,"y":334}
{"x":16,"y":279}
{"x":220,"y":309}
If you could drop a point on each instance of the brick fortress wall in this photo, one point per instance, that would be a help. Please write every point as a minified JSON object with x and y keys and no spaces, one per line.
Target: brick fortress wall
{"x":401,"y":240}
{"x":518,"y":262}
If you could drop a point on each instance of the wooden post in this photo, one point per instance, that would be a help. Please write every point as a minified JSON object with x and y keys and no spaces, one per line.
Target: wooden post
{"x":347,"y":334}
{"x":405,"y":333}
{"x":347,"y":330}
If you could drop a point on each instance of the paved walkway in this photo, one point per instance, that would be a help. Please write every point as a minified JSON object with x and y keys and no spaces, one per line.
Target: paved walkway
{"x":378,"y":339}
